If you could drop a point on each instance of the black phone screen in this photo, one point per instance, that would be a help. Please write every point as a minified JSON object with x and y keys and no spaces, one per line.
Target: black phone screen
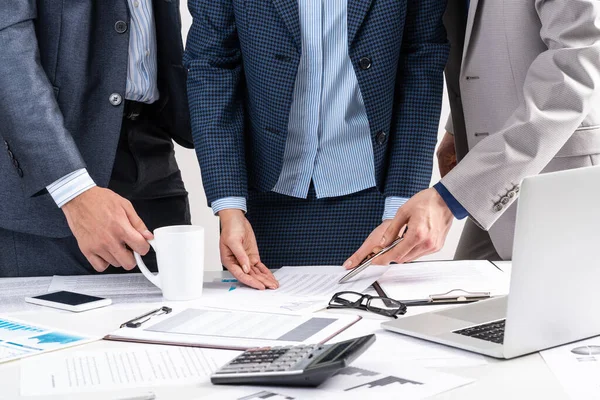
{"x":69,"y":298}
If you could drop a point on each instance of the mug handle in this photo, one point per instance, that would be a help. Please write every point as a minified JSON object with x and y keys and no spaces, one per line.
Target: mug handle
{"x":149,"y":275}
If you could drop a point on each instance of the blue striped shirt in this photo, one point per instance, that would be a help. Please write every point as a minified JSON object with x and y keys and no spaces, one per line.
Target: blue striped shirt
{"x":329,"y":138}
{"x":141,"y":86}
{"x":141,"y":69}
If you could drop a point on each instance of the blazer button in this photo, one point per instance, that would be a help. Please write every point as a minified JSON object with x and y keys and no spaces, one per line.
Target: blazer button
{"x":10,"y":154}
{"x":498,"y":207}
{"x":6,"y":145}
{"x":115,"y":99}
{"x":505,"y":200}
{"x":364,"y":63}
{"x":20,"y":172}
{"x":512,"y":194}
{"x":381,"y":137}
{"x":121,"y":27}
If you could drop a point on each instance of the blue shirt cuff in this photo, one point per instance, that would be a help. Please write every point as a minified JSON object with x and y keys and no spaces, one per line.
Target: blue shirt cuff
{"x":392,"y":204}
{"x":457,"y":209}
{"x":237,"y":203}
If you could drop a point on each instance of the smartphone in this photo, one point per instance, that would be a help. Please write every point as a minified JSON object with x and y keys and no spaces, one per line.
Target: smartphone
{"x":69,"y":301}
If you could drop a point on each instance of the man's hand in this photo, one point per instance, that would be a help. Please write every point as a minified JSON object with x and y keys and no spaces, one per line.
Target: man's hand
{"x":428,"y":219}
{"x":239,"y":252}
{"x":371,"y":245}
{"x":446,"y":154}
{"x":105,"y":225}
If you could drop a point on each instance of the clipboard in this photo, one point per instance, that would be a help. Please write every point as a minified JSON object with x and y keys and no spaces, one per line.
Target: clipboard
{"x":230,"y":329}
{"x":454,"y":296}
{"x":443,"y":282}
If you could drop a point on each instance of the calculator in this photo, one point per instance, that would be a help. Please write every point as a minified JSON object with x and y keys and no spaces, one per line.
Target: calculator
{"x":304,"y":365}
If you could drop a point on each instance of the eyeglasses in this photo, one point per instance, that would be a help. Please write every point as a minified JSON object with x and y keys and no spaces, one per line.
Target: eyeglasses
{"x":378,"y":305}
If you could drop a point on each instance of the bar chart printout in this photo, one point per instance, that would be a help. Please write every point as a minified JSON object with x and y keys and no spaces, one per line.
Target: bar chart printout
{"x":20,"y":339}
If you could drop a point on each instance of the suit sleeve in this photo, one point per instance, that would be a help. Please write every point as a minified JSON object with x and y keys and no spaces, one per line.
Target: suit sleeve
{"x":561,"y":87}
{"x":418,"y":98}
{"x":215,"y":92}
{"x":31,"y":123}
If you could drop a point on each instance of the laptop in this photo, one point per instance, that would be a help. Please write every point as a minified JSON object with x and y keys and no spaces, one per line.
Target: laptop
{"x":554,"y":282}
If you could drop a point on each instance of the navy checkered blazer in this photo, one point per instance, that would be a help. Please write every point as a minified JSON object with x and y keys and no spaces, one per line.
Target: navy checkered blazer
{"x":243,"y":56}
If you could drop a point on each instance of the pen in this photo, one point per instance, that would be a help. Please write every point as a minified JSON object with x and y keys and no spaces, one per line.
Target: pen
{"x":369,"y":259}
{"x":147,"y":396}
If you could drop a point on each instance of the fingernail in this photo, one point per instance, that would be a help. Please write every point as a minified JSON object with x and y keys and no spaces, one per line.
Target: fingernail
{"x":245,"y":268}
{"x":383,"y":240}
{"x":147,"y":233}
{"x":347,"y":264}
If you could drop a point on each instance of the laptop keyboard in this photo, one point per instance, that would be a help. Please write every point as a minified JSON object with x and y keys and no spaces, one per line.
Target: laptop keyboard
{"x":491,"y":331}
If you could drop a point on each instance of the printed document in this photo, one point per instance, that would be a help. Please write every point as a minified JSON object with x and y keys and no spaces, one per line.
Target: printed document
{"x":302,"y":290}
{"x":19,"y":339}
{"x":577,"y":368}
{"x":409,"y":350}
{"x":323,"y":281}
{"x":419,"y":280}
{"x":120,"y":288}
{"x":14,"y":290}
{"x":118,"y":368}
{"x":377,"y":379}
{"x":123,"y":288}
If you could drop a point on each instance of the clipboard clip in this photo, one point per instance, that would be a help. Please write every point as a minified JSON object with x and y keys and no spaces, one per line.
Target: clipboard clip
{"x":138,"y":321}
{"x":458,"y":296}
{"x":454,"y":296}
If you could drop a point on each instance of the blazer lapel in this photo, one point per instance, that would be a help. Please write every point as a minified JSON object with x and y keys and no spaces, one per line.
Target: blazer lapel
{"x":357,"y":11}
{"x":470,"y":22}
{"x":291,"y":16}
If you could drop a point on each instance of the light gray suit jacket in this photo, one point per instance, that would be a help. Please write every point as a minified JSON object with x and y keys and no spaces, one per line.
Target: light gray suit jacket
{"x":530,"y":92}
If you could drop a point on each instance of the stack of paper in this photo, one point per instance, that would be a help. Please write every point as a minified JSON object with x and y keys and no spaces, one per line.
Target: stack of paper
{"x":118,"y":369}
{"x":14,"y":290}
{"x":302,"y":290}
{"x":365,"y":379}
{"x":123,"y":288}
{"x":120,"y":288}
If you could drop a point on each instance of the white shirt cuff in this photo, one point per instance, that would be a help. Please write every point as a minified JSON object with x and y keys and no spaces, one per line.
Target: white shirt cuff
{"x":237,"y":203}
{"x":392,"y":204}
{"x":70,"y":186}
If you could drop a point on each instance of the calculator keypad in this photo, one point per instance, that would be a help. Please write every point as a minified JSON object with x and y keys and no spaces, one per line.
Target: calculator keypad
{"x":274,"y":359}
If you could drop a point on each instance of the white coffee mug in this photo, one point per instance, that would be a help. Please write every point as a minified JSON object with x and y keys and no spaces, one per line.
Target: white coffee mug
{"x":180,"y":258}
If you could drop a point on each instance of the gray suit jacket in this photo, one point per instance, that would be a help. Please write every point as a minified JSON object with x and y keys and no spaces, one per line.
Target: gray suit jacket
{"x":60,"y":62}
{"x":529,"y":85}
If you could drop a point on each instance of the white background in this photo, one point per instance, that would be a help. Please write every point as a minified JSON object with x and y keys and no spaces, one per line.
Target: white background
{"x":202,"y":215}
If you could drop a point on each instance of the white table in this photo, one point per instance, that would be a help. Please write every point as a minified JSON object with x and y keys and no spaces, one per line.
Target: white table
{"x":521,"y":378}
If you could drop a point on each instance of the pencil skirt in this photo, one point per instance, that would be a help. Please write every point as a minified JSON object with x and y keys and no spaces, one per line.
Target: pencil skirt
{"x":300,"y":232}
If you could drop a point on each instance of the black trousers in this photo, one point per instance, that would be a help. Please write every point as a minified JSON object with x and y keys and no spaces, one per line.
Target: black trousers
{"x":145,"y":172}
